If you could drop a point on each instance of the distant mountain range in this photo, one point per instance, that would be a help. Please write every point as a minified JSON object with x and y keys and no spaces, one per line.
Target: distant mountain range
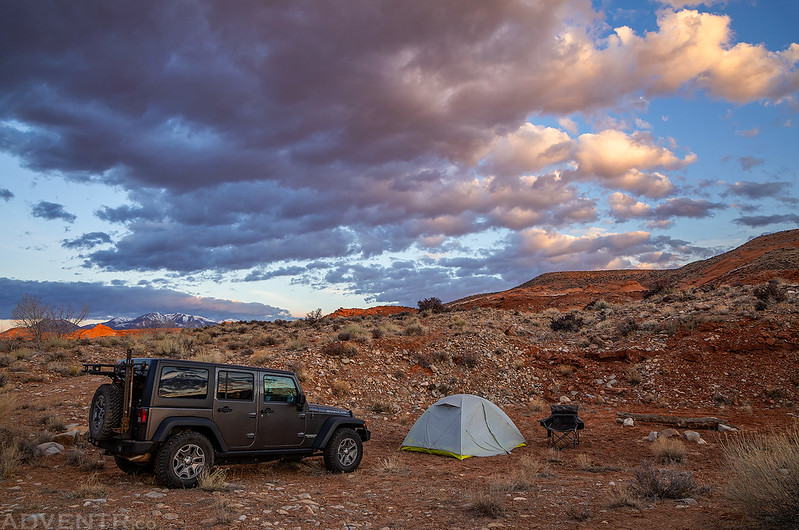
{"x":158,"y":320}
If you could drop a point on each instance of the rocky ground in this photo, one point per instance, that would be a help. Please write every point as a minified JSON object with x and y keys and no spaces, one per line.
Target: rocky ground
{"x":683,"y":353}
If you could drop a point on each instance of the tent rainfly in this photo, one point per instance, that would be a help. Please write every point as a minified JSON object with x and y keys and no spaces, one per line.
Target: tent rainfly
{"x":461,"y":426}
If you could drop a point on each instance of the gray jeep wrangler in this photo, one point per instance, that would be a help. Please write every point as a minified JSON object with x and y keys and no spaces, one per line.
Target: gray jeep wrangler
{"x":177,"y":418}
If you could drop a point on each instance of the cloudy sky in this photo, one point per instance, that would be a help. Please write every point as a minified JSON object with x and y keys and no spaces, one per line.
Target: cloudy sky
{"x":264,"y":159}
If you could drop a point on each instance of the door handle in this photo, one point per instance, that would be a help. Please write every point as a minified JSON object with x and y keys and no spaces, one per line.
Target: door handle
{"x":225,"y":409}
{"x":267,"y":411}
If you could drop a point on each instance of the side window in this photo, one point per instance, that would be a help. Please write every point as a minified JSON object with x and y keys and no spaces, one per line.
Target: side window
{"x":279,"y":388}
{"x":235,"y":385}
{"x":182,"y":382}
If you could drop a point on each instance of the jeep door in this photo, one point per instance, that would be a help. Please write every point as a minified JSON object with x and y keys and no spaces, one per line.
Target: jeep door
{"x":235,"y":409}
{"x":281,"y":421}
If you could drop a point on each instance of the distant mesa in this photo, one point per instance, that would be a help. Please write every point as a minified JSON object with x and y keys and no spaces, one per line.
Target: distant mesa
{"x":381,"y":310}
{"x":755,"y":262}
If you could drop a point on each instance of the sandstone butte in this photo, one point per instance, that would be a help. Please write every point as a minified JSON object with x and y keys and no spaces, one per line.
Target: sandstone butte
{"x":100,"y":330}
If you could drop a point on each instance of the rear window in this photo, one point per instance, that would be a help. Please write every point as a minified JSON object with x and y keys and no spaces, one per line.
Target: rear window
{"x":183,"y":382}
{"x":238,"y":386}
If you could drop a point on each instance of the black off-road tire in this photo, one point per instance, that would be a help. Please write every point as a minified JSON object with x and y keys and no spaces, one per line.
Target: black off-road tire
{"x":181,"y":460}
{"x":344,"y":451}
{"x":133,"y":468}
{"x":105,"y":413}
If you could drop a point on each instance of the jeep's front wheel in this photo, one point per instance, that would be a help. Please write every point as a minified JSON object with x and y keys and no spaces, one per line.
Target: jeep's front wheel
{"x":105,"y":413}
{"x":344,"y":451}
{"x":181,"y":460}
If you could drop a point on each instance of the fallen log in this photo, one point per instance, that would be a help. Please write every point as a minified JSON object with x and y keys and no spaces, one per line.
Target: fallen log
{"x":691,"y":423}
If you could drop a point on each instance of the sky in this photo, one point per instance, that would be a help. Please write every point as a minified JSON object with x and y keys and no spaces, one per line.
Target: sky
{"x":258,"y":160}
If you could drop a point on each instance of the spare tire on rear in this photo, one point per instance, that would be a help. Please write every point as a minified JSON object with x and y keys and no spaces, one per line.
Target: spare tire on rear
{"x":106,"y":411}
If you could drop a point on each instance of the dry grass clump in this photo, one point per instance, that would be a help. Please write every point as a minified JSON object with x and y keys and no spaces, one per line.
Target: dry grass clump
{"x":620,"y":496}
{"x":486,"y":502}
{"x":10,"y":459}
{"x":393,"y":466}
{"x":213,"y":480}
{"x":522,"y":477}
{"x":210,"y":356}
{"x":653,"y":483}
{"x":668,"y":450}
{"x":88,"y":488}
{"x":340,"y":349}
{"x":78,"y":458}
{"x":764,"y":477}
{"x":340,"y":388}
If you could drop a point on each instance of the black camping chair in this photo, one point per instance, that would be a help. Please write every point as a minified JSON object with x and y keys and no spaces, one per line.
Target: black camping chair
{"x":563,"y":426}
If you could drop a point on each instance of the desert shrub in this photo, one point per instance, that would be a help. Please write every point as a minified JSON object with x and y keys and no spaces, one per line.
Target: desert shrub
{"x":432,"y":304}
{"x":78,"y":458}
{"x":5,"y":360}
{"x":470,"y":358}
{"x":340,"y":349}
{"x":626,"y":326}
{"x":620,"y":496}
{"x":353,"y":332}
{"x":299,"y":368}
{"x":261,"y":358}
{"x":65,"y":369}
{"x":340,"y":388}
{"x":422,"y":358}
{"x":210,"y":356}
{"x":668,"y":450}
{"x":261,"y":340}
{"x":3,"y":379}
{"x":414,"y":329}
{"x":763,"y":478}
{"x":393,"y":466}
{"x":296,"y":345}
{"x":314,"y":316}
{"x":53,"y":423}
{"x":457,"y":323}
{"x":768,"y":294}
{"x":383,"y":407}
{"x":173,"y":345}
{"x":568,"y":323}
{"x":634,"y":377}
{"x":486,"y":502}
{"x":654,"y":483}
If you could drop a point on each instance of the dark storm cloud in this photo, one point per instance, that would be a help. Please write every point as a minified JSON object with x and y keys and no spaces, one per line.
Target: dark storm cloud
{"x":52,"y":211}
{"x":251,"y":135}
{"x":89,"y":240}
{"x":5,"y":194}
{"x":756,"y":221}
{"x":105,"y":301}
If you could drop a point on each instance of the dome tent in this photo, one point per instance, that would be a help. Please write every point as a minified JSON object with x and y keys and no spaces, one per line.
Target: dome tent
{"x":461,"y":426}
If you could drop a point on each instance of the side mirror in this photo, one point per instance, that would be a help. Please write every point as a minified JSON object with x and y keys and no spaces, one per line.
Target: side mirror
{"x":301,"y":401}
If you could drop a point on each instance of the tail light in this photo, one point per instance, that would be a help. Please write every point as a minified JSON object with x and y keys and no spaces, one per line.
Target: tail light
{"x":141,"y":416}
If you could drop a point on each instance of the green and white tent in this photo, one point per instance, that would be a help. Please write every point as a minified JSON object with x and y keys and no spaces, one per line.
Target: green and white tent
{"x":461,"y":426}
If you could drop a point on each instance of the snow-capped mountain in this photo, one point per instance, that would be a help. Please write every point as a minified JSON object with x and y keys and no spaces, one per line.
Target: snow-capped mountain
{"x":160,"y":320}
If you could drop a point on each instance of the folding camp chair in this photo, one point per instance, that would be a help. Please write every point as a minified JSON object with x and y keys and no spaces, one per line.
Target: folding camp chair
{"x":563,"y":426}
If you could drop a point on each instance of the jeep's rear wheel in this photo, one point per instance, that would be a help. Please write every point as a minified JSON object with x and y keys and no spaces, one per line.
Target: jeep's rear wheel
{"x":181,"y":460}
{"x":133,"y":468}
{"x":344,"y":451}
{"x":106,"y":411}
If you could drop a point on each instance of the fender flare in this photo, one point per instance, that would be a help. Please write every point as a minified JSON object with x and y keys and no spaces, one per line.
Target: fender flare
{"x":202,"y":425}
{"x":331,"y":424}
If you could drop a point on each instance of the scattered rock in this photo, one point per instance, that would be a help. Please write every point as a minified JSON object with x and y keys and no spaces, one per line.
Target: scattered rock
{"x":689,"y":501}
{"x":652,"y":436}
{"x":726,"y":428}
{"x":66,"y":438}
{"x":564,"y":400}
{"x":668,"y":433}
{"x":692,"y":436}
{"x":49,"y":449}
{"x":154,"y":495}
{"x":628,"y":422}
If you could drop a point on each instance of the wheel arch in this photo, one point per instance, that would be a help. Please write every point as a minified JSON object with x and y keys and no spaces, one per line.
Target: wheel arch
{"x":331,"y":424}
{"x":204,"y":426}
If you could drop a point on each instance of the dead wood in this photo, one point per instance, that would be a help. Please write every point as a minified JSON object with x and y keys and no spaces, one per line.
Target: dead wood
{"x":692,"y":423}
